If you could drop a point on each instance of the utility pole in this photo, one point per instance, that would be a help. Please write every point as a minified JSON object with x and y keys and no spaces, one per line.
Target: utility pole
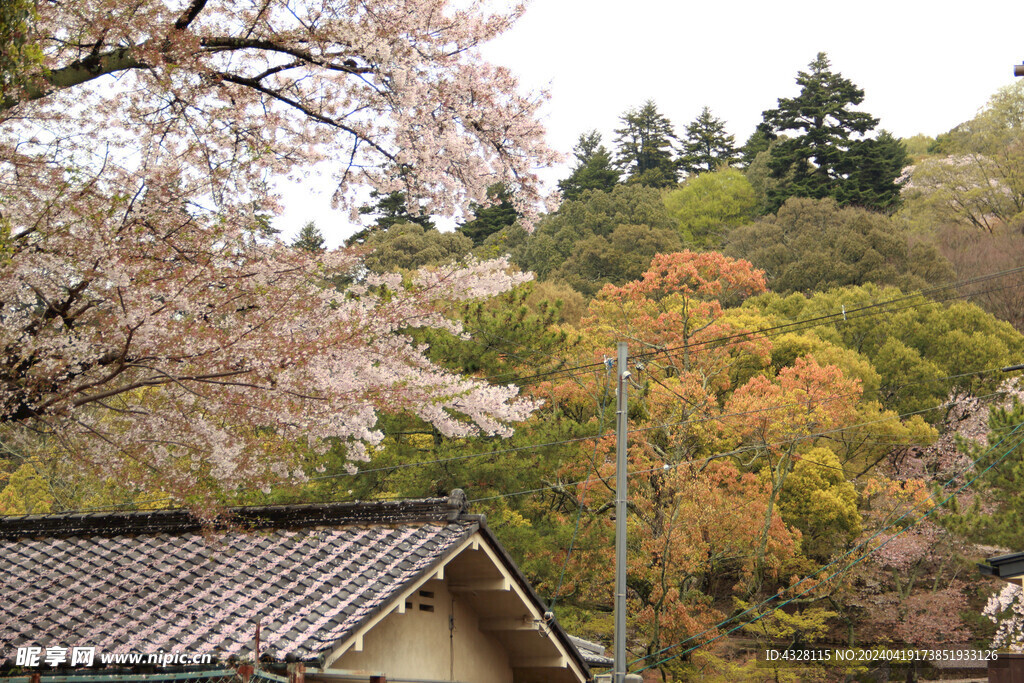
{"x":619,"y":674}
{"x":621,"y":427}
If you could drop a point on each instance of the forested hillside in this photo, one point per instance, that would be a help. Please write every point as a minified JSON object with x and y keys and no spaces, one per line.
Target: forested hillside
{"x":822,"y":440}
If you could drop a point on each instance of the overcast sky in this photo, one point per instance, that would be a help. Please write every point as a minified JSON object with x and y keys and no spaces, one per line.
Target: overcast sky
{"x":924,"y":66}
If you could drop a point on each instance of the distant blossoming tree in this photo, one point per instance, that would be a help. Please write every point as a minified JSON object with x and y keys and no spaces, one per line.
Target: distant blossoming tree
{"x":149,"y":328}
{"x":1006,"y":611}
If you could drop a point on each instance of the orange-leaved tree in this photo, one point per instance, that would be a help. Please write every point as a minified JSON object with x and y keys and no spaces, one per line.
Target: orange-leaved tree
{"x":694,"y":516}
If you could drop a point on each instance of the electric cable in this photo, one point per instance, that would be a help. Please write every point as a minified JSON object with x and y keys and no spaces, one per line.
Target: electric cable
{"x":579,"y":505}
{"x":736,"y":451}
{"x":858,"y":547}
{"x":638,"y":430}
{"x":819,"y":321}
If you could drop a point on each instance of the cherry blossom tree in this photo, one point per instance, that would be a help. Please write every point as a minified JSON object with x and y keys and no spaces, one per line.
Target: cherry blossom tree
{"x":151,"y":329}
{"x":1006,"y":610}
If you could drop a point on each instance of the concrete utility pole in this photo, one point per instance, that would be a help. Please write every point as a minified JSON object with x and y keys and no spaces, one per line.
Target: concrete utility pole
{"x":621,"y":495}
{"x":619,"y":674}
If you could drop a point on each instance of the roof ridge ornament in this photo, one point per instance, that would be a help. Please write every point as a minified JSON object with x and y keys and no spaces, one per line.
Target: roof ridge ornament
{"x":458,"y":504}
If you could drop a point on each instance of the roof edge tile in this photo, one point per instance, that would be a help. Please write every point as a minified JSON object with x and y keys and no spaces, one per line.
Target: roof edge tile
{"x":442,"y":510}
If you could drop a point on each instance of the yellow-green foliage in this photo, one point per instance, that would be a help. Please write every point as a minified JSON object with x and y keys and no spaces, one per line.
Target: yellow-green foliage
{"x":817,"y":244}
{"x":708,"y":205}
{"x":935,"y":340}
{"x":19,"y":52}
{"x":709,"y":668}
{"x":881,"y":434}
{"x":918,"y":145}
{"x":788,"y":347}
{"x":821,"y":503}
{"x":573,"y":304}
{"x":26,"y":492}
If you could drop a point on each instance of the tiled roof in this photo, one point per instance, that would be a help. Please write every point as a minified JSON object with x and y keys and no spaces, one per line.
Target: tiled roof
{"x":592,"y":653}
{"x":158,"y":581}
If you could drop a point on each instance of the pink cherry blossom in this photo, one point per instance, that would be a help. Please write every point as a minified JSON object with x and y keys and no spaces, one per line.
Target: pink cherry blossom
{"x":149,"y":330}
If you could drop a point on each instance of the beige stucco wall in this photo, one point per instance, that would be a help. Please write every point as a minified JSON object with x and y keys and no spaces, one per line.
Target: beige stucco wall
{"x":418,"y":644}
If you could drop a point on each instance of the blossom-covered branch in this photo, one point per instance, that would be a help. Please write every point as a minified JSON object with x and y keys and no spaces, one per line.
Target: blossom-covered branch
{"x":148,"y":329}
{"x":397,"y":88}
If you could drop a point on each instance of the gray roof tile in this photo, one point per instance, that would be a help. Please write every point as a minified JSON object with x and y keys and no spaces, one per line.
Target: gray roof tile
{"x":157,"y":581}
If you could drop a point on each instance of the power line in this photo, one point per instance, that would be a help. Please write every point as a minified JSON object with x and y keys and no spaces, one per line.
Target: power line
{"x":736,"y":451}
{"x":861,"y":545}
{"x":819,"y":321}
{"x":638,"y":430}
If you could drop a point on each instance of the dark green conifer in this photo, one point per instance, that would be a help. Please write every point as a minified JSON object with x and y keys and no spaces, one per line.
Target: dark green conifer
{"x":490,"y":219}
{"x":871,"y":168}
{"x":309,"y":238}
{"x":645,"y":149}
{"x":706,"y":145}
{"x":593,"y":170}
{"x":826,"y":154}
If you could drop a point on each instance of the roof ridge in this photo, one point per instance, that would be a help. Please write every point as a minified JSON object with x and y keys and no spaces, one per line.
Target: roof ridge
{"x":178,"y":520}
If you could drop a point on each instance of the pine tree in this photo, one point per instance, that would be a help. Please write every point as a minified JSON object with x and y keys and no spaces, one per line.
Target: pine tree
{"x":490,"y":219}
{"x":645,"y":150}
{"x":309,"y":238}
{"x":391,"y":209}
{"x":871,"y":168}
{"x":706,"y":146}
{"x":759,"y":141}
{"x":593,"y":170}
{"x":813,"y":162}
{"x":999,"y":487}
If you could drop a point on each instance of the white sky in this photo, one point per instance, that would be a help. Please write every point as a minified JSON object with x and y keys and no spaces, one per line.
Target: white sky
{"x":924,"y":66}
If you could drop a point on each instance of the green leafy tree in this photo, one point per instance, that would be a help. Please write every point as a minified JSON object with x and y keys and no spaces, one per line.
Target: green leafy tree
{"x":622,"y":256}
{"x":706,"y":145}
{"x":645,"y":147}
{"x":820,"y":157}
{"x":410,"y":246}
{"x":309,"y":238}
{"x":910,"y":380}
{"x":955,"y":190}
{"x":994,"y":142}
{"x":18,"y":49}
{"x":955,"y":340}
{"x":25,"y":492}
{"x":978,"y":179}
{"x":593,"y":169}
{"x":759,"y":175}
{"x":707,"y":206}
{"x":817,"y":244}
{"x":820,"y":502}
{"x":571,"y":304}
{"x":597,"y":214}
{"x":919,"y":145}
